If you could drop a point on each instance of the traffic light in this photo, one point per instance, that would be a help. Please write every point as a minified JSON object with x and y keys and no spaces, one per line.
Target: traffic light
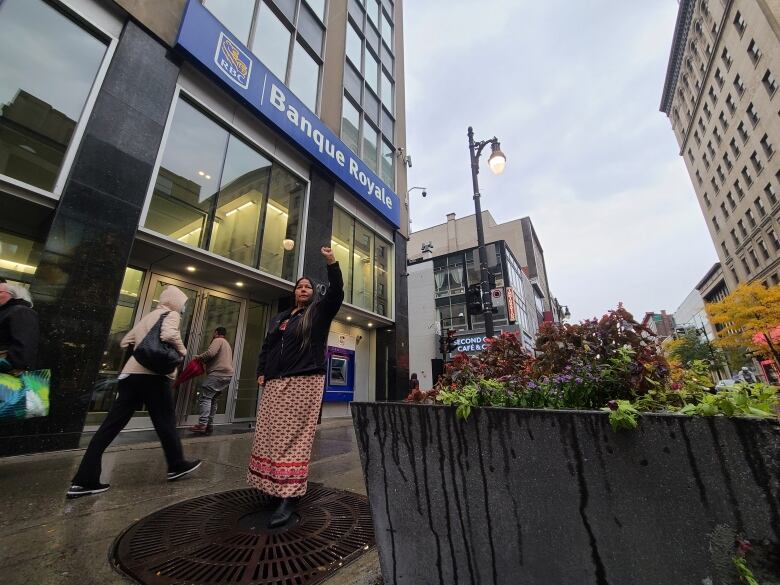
{"x":443,"y":346}
{"x":452,"y":343}
{"x":491,"y":280}
{"x":474,"y":300}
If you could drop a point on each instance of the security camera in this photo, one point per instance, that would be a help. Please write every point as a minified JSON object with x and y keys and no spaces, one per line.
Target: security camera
{"x":425,"y":193}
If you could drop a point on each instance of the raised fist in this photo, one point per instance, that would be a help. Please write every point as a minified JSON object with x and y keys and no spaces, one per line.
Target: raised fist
{"x":328,"y":254}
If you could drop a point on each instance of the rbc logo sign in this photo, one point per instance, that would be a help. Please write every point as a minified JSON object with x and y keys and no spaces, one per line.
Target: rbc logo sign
{"x":234,"y":62}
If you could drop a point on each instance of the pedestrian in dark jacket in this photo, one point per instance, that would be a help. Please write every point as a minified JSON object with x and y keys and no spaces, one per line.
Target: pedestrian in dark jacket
{"x":18,"y":329}
{"x":291,"y":366}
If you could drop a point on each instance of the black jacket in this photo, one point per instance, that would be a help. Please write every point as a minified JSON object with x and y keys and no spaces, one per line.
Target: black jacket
{"x":19,"y":333}
{"x":282,"y":356}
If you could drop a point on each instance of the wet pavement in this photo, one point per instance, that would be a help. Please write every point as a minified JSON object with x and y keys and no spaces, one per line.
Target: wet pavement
{"x":47,"y":539}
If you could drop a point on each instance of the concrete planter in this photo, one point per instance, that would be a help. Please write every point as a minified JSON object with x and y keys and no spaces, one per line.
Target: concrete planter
{"x":535,"y":497}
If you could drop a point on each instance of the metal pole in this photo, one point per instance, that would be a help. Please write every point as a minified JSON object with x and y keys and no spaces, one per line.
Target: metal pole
{"x":487,"y":301}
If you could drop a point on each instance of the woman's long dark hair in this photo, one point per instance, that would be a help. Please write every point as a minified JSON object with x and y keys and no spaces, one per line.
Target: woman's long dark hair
{"x":301,"y":335}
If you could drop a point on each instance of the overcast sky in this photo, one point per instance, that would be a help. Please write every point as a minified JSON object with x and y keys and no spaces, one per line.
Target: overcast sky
{"x":572,"y":90}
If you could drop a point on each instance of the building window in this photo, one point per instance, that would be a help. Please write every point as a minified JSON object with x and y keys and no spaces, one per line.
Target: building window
{"x":746,"y":175}
{"x":764,"y":249}
{"x":350,"y":125}
{"x":771,"y":193}
{"x":366,"y":261}
{"x":707,"y":200}
{"x":770,"y":84}
{"x":754,"y":51}
{"x":727,"y":161}
{"x":721,"y":176}
{"x":48,"y":68}
{"x":716,"y":133}
{"x":731,"y":104}
{"x":760,"y":207}
{"x":701,"y":125}
{"x":272,"y":41}
{"x":773,"y":236}
{"x":752,"y":114}
{"x":739,"y":23}
{"x":742,"y":131}
{"x":304,"y":78}
{"x":739,"y":84}
{"x":730,"y":199}
{"x":690,"y":155}
{"x":714,"y":184}
{"x":354,"y":46}
{"x":698,"y":177}
{"x":318,"y":7}
{"x":757,"y":164}
{"x":719,"y":78}
{"x":769,"y":150}
{"x":734,"y":237}
{"x":745,"y":266}
{"x":387,"y":31}
{"x":216,"y":192}
{"x":697,"y":137}
{"x":751,"y":219}
{"x":726,"y":57}
{"x":712,"y":96}
{"x":370,"y":147}
{"x":715,"y":223}
{"x":707,"y":111}
{"x":236,"y":15}
{"x":387,"y":167}
{"x":753,"y":258}
{"x":738,"y":189}
{"x":741,"y":226}
{"x":724,"y":211}
{"x":706,"y":161}
{"x":725,"y":249}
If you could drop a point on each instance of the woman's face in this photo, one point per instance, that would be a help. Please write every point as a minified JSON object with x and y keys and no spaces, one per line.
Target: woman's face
{"x":303,"y":292}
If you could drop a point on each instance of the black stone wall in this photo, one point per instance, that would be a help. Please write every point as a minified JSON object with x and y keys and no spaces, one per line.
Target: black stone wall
{"x":82,"y":266}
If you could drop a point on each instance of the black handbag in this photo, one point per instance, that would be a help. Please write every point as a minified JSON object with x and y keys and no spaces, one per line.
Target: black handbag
{"x":155,"y":354}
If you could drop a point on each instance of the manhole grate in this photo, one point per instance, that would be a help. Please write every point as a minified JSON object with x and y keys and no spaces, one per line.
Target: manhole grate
{"x":220,"y":538}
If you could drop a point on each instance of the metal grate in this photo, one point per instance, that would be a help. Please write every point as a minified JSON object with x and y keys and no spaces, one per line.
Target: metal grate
{"x":221,"y":538}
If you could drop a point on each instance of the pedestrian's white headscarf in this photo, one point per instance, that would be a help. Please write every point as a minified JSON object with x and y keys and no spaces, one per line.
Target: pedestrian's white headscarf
{"x":19,"y":292}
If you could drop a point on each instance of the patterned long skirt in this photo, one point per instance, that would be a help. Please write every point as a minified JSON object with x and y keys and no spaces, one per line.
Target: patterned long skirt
{"x":286,"y":422}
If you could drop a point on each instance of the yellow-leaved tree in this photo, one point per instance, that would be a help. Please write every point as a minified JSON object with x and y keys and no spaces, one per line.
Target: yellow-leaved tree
{"x":749,"y":317}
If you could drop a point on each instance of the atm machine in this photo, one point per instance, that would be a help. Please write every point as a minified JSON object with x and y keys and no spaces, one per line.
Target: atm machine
{"x":340,"y":375}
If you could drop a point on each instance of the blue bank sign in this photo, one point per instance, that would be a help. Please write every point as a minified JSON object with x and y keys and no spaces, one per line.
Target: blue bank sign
{"x":205,"y":40}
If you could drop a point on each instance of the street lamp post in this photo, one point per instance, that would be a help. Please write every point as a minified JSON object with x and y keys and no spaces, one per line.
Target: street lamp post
{"x":496,"y":162}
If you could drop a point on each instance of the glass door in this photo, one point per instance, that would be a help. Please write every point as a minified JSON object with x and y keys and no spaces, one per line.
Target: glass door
{"x":217,"y":310}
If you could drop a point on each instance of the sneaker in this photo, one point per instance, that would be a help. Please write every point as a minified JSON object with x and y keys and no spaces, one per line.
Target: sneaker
{"x":77,"y":491}
{"x":187,"y":467}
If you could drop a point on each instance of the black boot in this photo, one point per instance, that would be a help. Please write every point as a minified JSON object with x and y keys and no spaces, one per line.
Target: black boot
{"x":283,"y":513}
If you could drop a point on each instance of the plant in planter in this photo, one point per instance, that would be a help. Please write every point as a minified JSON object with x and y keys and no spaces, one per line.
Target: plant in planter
{"x":540,"y":491}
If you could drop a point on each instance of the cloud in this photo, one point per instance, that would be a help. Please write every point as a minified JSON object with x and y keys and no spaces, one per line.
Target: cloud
{"x":572,"y":91}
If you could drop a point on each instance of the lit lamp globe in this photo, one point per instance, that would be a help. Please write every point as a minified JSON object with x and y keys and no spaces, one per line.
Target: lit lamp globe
{"x":288,"y":244}
{"x":497,"y":160}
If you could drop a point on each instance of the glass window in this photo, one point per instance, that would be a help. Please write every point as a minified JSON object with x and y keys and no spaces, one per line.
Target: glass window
{"x":372,"y":38}
{"x":304,"y":77}
{"x":387,"y":31}
{"x":372,"y":6}
{"x":362,"y":269}
{"x":372,"y":72}
{"x":371,"y":106}
{"x":388,"y":125}
{"x":48,"y":67}
{"x":382,"y":277}
{"x":318,"y":6}
{"x":341,"y":242}
{"x":236,"y":15}
{"x":104,"y":390}
{"x":189,"y":176}
{"x":350,"y":126}
{"x":370,"y":147}
{"x":387,"y":91}
{"x":311,"y":30}
{"x":354,"y":46}
{"x":472,"y":267}
{"x":271,"y":42}
{"x":388,"y":165}
{"x":242,"y":193}
{"x":19,"y":257}
{"x":353,"y":83}
{"x":282,"y":224}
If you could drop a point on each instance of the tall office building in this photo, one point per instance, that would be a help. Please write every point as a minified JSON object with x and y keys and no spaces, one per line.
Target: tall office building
{"x":721,"y":96}
{"x":215,"y":145}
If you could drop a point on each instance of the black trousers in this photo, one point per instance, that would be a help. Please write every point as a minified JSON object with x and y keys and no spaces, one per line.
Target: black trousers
{"x":134,"y":391}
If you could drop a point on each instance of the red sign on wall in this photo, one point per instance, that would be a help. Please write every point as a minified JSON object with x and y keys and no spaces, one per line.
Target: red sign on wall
{"x":511,"y":312}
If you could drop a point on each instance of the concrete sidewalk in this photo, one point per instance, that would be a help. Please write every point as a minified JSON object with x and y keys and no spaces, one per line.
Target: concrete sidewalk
{"x":46,"y":539}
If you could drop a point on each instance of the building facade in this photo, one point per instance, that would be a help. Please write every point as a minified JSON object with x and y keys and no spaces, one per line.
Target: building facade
{"x":213,"y":145}
{"x":438,"y":301}
{"x":661,"y":324}
{"x":721,"y":97}
{"x":459,"y":234}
